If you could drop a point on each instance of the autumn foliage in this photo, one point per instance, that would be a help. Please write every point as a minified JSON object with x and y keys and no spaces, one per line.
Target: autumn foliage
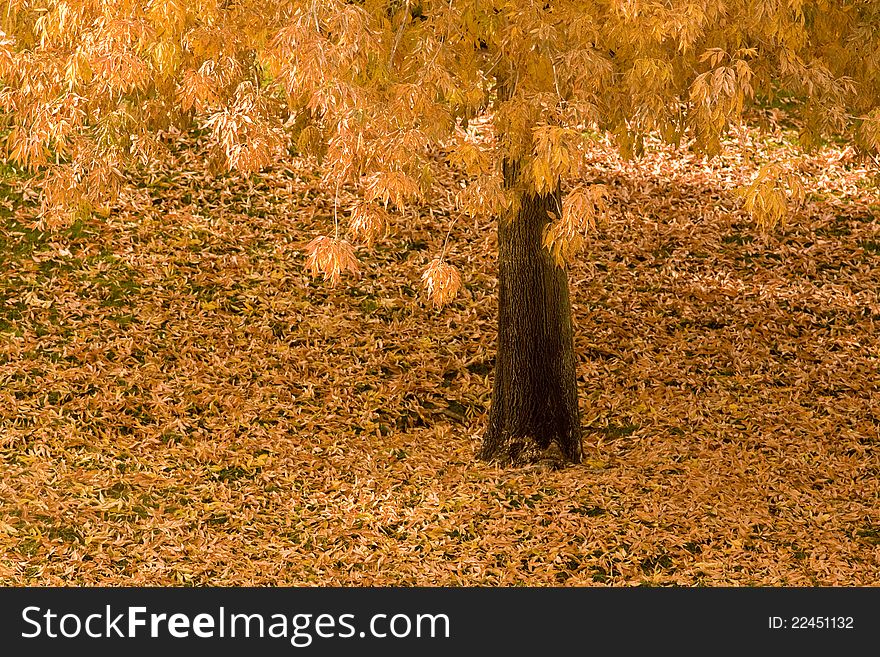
{"x":373,"y":90}
{"x":180,"y":404}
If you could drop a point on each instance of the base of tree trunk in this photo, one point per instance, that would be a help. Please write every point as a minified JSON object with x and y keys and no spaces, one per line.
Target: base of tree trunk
{"x":534,"y":417}
{"x":518,"y":451}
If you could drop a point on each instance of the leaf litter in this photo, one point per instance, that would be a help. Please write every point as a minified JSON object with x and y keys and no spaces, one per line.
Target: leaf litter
{"x":182,"y":404}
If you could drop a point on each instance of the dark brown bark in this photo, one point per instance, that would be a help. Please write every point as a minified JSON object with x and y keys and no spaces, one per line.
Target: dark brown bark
{"x":534,"y":415}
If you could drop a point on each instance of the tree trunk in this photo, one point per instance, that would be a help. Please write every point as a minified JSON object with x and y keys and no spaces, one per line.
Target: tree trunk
{"x":534,"y":415}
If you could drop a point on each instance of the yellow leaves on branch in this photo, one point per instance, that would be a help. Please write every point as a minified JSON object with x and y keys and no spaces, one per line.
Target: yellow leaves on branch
{"x":212,"y":41}
{"x":168,"y":15}
{"x":57,"y":25}
{"x":69,"y":190}
{"x":26,"y":148}
{"x":61,"y":197}
{"x":392,"y":187}
{"x":245,"y":133}
{"x":166,"y":57}
{"x":8,"y":56}
{"x":556,"y":156}
{"x":868,"y":134}
{"x":198,"y":90}
{"x":319,"y":50}
{"x":330,"y":257}
{"x":368,"y":221}
{"x":442,"y":282}
{"x":146,"y":147}
{"x":53,"y":124}
{"x":649,"y":81}
{"x":483,"y":197}
{"x":513,"y":121}
{"x":472,"y":159}
{"x":375,"y":89}
{"x":117,"y":72}
{"x":77,"y":69}
{"x":767,"y":197}
{"x":719,"y":95}
{"x":582,"y":208}
{"x":311,"y":141}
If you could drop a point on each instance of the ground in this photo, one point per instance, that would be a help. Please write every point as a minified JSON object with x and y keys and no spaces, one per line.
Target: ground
{"x":182,"y":404}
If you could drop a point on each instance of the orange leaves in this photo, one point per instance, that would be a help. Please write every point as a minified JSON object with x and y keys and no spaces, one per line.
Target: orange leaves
{"x":167,"y":15}
{"x":556,"y":156}
{"x":471,"y":158}
{"x":514,"y":122}
{"x":442,"y":282}
{"x":26,"y":148}
{"x":210,"y":42}
{"x":767,"y":196}
{"x":57,"y":23}
{"x":331,"y":257}
{"x":868,"y":133}
{"x":731,"y":83}
{"x":12,"y":67}
{"x":146,"y":147}
{"x":392,"y":187}
{"x":61,"y":196}
{"x":484,"y":197}
{"x":118,"y":72}
{"x":588,"y":72}
{"x":368,"y":220}
{"x":77,"y":70}
{"x":649,"y":75}
{"x":582,"y":208}
{"x":86,"y":183}
{"x":351,"y":28}
{"x":245,"y":132}
{"x":719,"y":95}
{"x":198,"y":89}
{"x":310,"y":141}
{"x":379,"y":88}
{"x":321,"y":51}
{"x":714,"y":56}
{"x":8,"y":56}
{"x":166,"y":56}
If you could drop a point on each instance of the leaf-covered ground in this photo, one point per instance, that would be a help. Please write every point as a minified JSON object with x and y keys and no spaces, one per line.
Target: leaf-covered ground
{"x":182,"y":404}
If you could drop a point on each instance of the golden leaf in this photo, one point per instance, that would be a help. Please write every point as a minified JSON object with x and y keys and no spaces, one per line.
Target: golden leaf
{"x":484,"y":197}
{"x":581,"y":209}
{"x":368,"y":220}
{"x":442,"y":282}
{"x":392,"y":187}
{"x":767,"y":197}
{"x":331,"y":257}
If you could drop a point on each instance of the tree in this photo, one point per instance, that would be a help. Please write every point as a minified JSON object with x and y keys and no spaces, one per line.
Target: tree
{"x":372,"y":88}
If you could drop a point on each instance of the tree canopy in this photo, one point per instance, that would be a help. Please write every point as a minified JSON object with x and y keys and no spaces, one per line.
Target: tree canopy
{"x":375,"y":89}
